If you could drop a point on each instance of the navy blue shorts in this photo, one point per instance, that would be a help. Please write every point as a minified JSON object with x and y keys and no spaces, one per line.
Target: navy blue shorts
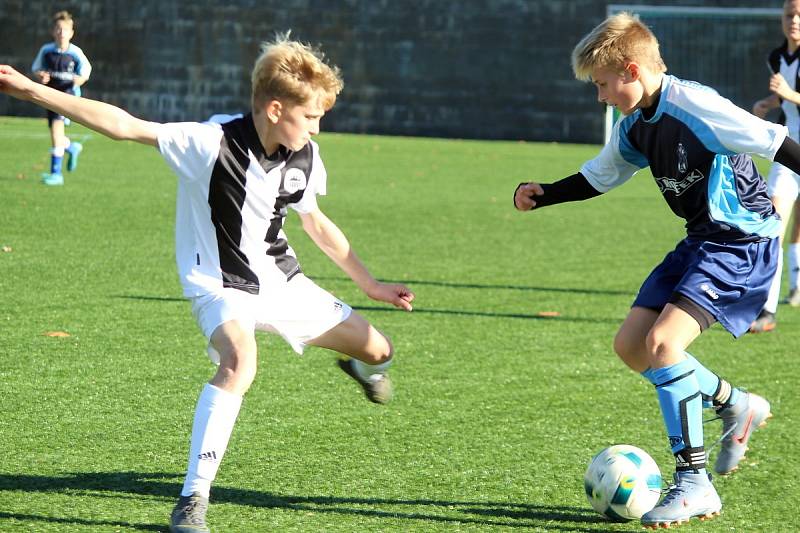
{"x":731,"y":281}
{"x":52,"y":115}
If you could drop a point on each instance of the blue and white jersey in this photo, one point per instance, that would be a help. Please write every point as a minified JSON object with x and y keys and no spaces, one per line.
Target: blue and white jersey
{"x":696,"y":145}
{"x":781,"y":62}
{"x":62,"y":65}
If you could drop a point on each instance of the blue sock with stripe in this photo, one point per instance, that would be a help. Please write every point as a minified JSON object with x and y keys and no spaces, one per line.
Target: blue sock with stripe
{"x":681,"y":403}
{"x":716,"y":391}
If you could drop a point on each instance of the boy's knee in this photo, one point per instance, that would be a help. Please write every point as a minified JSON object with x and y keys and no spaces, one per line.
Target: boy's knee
{"x":382,"y":351}
{"x":627,"y":347}
{"x":661,"y":349}
{"x":237,"y":368}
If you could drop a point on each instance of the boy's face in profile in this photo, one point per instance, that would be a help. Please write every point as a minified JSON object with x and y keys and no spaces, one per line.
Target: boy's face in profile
{"x":791,"y":20}
{"x":618,"y":89}
{"x":63,"y":30}
{"x":297,"y":124}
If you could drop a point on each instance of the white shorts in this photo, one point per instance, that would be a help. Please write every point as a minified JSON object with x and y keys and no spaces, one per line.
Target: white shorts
{"x":783,"y":182}
{"x":298,"y":311}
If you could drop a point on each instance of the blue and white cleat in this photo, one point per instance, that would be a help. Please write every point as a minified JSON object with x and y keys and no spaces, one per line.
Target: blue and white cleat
{"x":738,"y":423}
{"x":691,"y":495}
{"x":53,"y":179}
{"x":74,"y":150}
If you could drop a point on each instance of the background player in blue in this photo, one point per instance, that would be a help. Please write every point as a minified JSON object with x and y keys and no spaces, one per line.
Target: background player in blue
{"x":695,"y":143}
{"x":64,"y":67}
{"x":235,"y":183}
{"x":784,"y":185}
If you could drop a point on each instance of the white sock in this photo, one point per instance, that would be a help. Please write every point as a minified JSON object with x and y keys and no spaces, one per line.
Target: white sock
{"x":775,"y":288}
{"x":57,"y":151}
{"x":370,"y":372}
{"x":214,"y":417}
{"x":793,"y":252}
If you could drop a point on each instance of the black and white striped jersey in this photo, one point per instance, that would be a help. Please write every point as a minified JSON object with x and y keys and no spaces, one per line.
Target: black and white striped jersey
{"x":786,"y":64}
{"x":232,"y":201}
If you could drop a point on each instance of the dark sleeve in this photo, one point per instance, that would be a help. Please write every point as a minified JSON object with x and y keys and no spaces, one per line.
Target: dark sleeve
{"x":789,"y":155}
{"x":570,"y":189}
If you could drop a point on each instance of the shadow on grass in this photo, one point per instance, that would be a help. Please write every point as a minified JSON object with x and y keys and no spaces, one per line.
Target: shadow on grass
{"x":455,"y":312}
{"x":485,"y":286}
{"x":163,"y":485}
{"x":523,"y":316}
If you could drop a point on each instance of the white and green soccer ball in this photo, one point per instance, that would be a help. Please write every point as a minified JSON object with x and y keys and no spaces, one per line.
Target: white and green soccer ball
{"x":622,"y":482}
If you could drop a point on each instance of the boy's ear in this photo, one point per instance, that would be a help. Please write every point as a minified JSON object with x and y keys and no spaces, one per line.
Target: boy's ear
{"x":632,"y":72}
{"x":274,"y":110}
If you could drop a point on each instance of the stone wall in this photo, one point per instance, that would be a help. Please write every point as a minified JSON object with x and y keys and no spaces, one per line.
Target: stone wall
{"x":491,"y":69}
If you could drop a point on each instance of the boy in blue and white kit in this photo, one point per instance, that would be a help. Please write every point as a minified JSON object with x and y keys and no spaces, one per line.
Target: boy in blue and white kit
{"x":695,"y":142}
{"x":64,"y":67}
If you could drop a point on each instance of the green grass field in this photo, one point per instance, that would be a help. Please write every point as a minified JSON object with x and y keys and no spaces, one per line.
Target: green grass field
{"x":498,"y":410}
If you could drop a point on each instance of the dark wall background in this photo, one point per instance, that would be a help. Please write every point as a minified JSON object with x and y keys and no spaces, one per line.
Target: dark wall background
{"x":492,"y":69}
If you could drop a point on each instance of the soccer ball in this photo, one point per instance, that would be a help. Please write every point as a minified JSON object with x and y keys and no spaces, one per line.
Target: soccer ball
{"x":622,"y":482}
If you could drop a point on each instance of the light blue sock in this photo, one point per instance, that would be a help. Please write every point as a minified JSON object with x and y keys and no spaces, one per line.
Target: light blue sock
{"x":716,"y":391}
{"x":681,"y":406}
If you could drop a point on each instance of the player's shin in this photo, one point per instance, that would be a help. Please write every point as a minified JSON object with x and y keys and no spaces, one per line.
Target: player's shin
{"x":214,"y":418}
{"x":681,"y":406}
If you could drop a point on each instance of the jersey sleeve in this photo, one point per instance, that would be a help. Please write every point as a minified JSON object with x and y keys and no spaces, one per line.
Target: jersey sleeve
{"x":82,"y":66}
{"x":190,"y":148}
{"x":616,"y":162}
{"x":725,"y":128}
{"x":317,"y":184}
{"x":38,"y":62}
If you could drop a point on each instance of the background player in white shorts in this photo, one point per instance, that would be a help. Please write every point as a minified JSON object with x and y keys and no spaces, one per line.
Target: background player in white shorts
{"x":236,"y":180}
{"x":784,"y":185}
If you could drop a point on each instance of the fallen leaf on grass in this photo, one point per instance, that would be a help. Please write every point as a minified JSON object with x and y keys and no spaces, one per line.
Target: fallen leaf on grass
{"x":548,"y":314}
{"x":6,"y":249}
{"x":56,"y":334}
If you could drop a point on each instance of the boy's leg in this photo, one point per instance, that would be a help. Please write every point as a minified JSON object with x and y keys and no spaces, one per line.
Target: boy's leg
{"x":793,"y":253}
{"x":370,"y":354}
{"x":216,"y":412}
{"x":680,"y":398}
{"x":783,"y":186}
{"x":55,"y":176}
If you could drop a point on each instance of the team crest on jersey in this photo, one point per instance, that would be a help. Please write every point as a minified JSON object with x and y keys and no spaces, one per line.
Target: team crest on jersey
{"x":683,"y":159}
{"x":294,"y":180}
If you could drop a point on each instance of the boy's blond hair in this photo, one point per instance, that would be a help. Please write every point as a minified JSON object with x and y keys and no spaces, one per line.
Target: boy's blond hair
{"x":617,"y":41}
{"x":294,"y":73}
{"x":63,"y":15}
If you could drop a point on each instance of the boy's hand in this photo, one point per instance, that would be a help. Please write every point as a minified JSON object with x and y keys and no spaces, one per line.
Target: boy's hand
{"x":396,"y":294}
{"x":779,"y":86}
{"x":13,"y":83}
{"x":761,"y":108}
{"x":44,"y":76}
{"x":524,"y":196}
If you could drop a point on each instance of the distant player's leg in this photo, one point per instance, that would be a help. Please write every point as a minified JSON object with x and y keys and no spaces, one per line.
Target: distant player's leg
{"x":783,"y":192}
{"x":73,"y":149}
{"x":55,"y":177}
{"x":216,"y":412}
{"x":680,"y":398}
{"x":793,"y":256}
{"x":368,"y":355}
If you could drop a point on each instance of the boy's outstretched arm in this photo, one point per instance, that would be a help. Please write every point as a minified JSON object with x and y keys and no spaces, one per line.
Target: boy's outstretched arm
{"x":333,"y":242}
{"x":533,"y":195}
{"x":103,"y":118}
